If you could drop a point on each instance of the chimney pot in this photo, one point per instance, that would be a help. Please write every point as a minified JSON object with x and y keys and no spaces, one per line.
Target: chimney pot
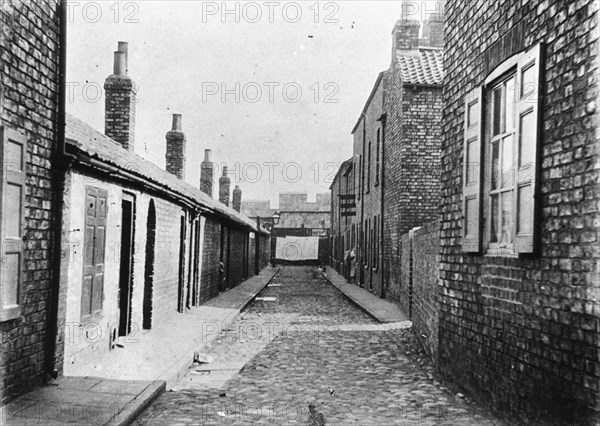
{"x":207,"y":155}
{"x":123,"y":46}
{"x":176,"y":123}
{"x":120,"y":63}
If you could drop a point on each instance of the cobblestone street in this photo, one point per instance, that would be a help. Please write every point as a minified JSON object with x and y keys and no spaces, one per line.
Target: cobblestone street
{"x":308,"y":356}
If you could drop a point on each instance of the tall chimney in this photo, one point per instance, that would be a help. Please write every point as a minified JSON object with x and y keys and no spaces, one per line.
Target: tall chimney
{"x":224,"y":186}
{"x":405,"y":35}
{"x":207,"y":169}
{"x":175,"y":156}
{"x":433,"y":27}
{"x":120,"y":99}
{"x":237,"y":198}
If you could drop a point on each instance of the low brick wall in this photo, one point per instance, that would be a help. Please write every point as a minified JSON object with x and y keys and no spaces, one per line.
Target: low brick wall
{"x":404,"y":290}
{"x":425,"y":285}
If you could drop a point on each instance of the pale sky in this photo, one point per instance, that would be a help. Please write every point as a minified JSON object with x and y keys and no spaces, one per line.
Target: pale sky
{"x":182,"y":56}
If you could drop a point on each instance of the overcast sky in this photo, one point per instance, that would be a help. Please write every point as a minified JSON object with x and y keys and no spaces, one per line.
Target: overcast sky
{"x":184,"y":54}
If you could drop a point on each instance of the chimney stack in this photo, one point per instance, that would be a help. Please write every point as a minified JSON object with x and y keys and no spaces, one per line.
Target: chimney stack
{"x":207,"y":169}
{"x":433,"y":27}
{"x":406,"y":31}
{"x":175,"y":156}
{"x":237,"y":198}
{"x":224,"y":187}
{"x":120,"y":100}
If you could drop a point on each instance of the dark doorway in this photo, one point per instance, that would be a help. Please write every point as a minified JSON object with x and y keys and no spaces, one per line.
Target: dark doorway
{"x":149,"y":267}
{"x":126,"y":273}
{"x":182,"y":234}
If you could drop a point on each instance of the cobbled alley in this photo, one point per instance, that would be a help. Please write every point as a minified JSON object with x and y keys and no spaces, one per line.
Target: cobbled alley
{"x":303,"y":354}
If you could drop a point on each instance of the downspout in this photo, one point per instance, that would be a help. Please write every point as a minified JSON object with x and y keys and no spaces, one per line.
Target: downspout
{"x":383,"y":120}
{"x":61,"y":165}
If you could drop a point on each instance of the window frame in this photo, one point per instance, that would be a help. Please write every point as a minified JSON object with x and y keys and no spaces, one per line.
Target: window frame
{"x":523,"y":174}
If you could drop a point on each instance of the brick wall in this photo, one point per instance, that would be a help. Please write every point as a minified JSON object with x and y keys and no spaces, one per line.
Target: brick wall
{"x":412,"y":167}
{"x":211,"y":252}
{"x":403,"y":291}
{"x":237,"y":260}
{"x":29,"y":63}
{"x":522,"y":333}
{"x":166,"y":267}
{"x":425,"y":285}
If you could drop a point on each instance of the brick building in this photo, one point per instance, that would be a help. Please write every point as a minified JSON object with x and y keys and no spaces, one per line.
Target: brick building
{"x":412,"y":142}
{"x":343,"y":210}
{"x":520,"y":301}
{"x":32,"y":60}
{"x":396,"y":160}
{"x":368,"y":147}
{"x":142,"y":244}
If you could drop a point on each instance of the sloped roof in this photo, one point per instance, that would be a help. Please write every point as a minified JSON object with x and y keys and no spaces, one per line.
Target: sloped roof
{"x":84,"y":138}
{"x":424,"y":66}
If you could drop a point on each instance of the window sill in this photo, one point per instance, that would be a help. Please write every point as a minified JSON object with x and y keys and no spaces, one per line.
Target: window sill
{"x":500,"y":252}
{"x":10,"y":313}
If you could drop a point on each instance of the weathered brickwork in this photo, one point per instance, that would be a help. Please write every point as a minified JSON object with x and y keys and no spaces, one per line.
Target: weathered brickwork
{"x":211,"y":274}
{"x":237,"y":250}
{"x":425,"y":285}
{"x":412,"y":167}
{"x":403,"y":291}
{"x":29,"y":63}
{"x":522,"y":333}
{"x":166,"y":269}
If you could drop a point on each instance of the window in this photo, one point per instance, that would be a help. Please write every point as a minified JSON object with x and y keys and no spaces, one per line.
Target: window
{"x":13,"y":151}
{"x":501,"y":127}
{"x":377,"y":157}
{"x":369,"y":169}
{"x":92,"y":287}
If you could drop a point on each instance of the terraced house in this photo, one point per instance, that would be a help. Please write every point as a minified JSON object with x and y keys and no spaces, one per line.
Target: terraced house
{"x":144,"y":245}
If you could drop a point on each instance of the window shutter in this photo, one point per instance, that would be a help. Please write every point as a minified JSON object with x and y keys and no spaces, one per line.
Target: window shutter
{"x":93,"y":254}
{"x":471,"y":242}
{"x":526,"y":152}
{"x":13,"y":152}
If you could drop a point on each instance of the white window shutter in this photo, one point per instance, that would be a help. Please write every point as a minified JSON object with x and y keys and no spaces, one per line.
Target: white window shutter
{"x":471,"y":237}
{"x":526,"y":148}
{"x":13,"y":153}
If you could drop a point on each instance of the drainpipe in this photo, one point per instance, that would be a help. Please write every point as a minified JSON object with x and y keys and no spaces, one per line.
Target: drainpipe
{"x":61,"y":165}
{"x":383,"y":120}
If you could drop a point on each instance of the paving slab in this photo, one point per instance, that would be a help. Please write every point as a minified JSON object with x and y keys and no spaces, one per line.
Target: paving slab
{"x":382,"y":310}
{"x":82,"y":400}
